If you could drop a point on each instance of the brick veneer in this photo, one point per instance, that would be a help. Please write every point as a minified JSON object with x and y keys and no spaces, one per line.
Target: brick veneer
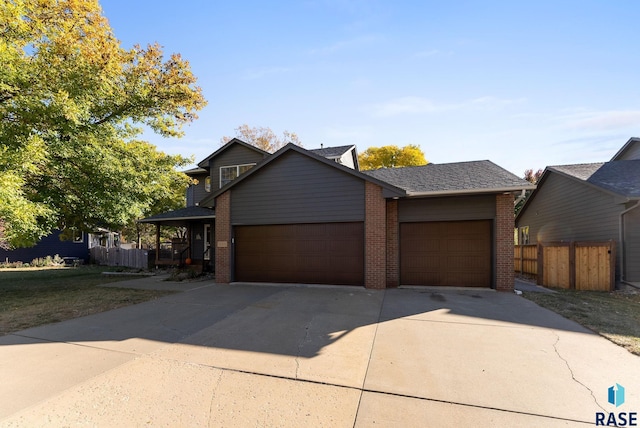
{"x":393,"y":244}
{"x":504,"y":242}
{"x":374,"y":237}
{"x":223,"y":238}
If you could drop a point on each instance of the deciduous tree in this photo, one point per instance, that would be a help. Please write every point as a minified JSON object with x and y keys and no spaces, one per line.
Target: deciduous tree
{"x":72,"y":102}
{"x":263,"y":138}
{"x":391,"y":156}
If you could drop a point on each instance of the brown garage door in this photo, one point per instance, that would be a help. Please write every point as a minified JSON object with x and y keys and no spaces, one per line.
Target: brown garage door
{"x":331,"y":253}
{"x":454,"y":253}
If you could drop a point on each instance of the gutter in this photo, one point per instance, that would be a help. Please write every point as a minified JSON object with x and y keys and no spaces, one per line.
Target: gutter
{"x":622,"y":256}
{"x":470,"y":191}
{"x":159,"y":220}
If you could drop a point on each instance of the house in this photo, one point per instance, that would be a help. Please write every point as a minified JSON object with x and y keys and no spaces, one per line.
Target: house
{"x":590,"y":202}
{"x":76,"y":248}
{"x":310,"y":216}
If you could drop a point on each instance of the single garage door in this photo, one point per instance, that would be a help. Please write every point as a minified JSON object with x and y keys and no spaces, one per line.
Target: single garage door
{"x":456,"y":253}
{"x":328,"y":253}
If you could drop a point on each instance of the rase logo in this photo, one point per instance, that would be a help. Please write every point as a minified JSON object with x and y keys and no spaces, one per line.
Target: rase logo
{"x":615,"y":396}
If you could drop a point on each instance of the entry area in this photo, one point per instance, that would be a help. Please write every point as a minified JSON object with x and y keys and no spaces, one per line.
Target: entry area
{"x":449,"y":253}
{"x":327,"y":253}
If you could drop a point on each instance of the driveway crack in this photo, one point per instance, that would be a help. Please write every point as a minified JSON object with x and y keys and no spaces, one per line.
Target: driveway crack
{"x":301,"y":345}
{"x":555,"y":348}
{"x":213,"y":397}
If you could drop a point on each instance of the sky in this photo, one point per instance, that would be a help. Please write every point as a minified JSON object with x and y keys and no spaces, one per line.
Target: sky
{"x":525,"y":84}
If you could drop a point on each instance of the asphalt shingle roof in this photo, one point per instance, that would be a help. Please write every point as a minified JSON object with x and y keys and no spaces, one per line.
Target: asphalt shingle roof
{"x":474,"y":176}
{"x":330,"y":152}
{"x":621,"y":177}
{"x":188,"y":213}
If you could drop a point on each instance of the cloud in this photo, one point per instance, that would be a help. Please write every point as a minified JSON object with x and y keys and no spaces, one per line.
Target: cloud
{"x":349,"y":44}
{"x":420,"y":105}
{"x":602,"y":120}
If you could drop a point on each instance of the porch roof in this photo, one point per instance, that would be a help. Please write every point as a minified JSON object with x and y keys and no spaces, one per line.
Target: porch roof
{"x":177,"y":217}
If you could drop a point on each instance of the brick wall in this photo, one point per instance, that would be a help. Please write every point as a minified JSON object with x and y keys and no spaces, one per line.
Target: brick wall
{"x":223,"y":238}
{"x":393,"y":244}
{"x":374,"y":237}
{"x":504,"y":242}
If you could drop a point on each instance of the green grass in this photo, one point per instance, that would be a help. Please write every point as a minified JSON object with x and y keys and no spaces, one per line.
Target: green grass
{"x":32,"y":297}
{"x":614,"y":315}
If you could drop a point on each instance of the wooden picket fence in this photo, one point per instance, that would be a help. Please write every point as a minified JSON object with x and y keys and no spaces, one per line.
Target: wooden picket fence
{"x":570,"y":265}
{"x":138,"y":259}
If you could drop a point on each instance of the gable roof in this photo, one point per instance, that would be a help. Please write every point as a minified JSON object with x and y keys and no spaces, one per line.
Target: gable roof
{"x":619,"y":177}
{"x":452,"y":178}
{"x":390,"y":189}
{"x":627,"y":147}
{"x":205,"y":162}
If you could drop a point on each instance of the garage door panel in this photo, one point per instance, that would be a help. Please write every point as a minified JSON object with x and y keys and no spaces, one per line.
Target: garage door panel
{"x":454,"y":253}
{"x":331,"y":253}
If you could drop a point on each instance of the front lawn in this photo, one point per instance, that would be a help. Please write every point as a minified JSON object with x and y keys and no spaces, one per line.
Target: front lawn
{"x":31,"y":297}
{"x":614,"y":315}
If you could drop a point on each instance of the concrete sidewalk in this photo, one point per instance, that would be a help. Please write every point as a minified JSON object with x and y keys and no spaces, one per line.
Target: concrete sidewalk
{"x":249,"y":355}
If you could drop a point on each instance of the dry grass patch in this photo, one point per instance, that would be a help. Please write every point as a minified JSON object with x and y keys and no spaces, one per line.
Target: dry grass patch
{"x":614,"y":315}
{"x":32,"y":297}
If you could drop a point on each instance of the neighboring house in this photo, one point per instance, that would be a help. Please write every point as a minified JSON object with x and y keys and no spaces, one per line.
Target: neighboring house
{"x":310,"y":216}
{"x":50,"y":245}
{"x":590,"y":202}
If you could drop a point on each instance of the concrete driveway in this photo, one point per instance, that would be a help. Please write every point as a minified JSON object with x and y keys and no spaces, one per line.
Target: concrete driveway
{"x":257,"y":355}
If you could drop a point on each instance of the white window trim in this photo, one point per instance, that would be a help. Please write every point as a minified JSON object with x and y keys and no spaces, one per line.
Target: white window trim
{"x":232,"y":166}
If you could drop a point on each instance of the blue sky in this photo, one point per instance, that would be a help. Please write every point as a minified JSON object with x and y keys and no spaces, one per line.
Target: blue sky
{"x":524,"y":84}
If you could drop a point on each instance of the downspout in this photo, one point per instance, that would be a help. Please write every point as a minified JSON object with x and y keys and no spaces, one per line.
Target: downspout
{"x":622,"y":255}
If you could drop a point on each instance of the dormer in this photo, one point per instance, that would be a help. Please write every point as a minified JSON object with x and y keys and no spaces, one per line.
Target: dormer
{"x":221,"y":167}
{"x":344,"y":155}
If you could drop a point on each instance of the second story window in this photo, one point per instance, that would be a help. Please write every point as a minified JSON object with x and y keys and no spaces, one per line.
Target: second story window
{"x":207,"y":184}
{"x":230,"y":173}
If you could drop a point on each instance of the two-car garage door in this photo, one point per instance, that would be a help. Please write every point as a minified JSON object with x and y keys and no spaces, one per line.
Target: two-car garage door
{"x":443,"y":253}
{"x":456,"y":253}
{"x":327,"y":253}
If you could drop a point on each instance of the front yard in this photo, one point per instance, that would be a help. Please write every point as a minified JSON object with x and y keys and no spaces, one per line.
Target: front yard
{"x":614,"y":315}
{"x":30,"y":297}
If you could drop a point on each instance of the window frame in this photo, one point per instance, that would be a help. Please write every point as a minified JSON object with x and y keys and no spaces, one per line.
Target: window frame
{"x":237,"y":167}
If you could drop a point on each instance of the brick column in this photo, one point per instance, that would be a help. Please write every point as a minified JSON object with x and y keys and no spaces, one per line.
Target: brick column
{"x":374,"y":237}
{"x":223,"y":238}
{"x":393,"y":244}
{"x":505,"y":222}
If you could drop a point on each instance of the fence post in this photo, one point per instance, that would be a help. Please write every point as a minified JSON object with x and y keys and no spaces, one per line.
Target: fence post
{"x":612,"y":264}
{"x":572,"y":265}
{"x":540,"y":267}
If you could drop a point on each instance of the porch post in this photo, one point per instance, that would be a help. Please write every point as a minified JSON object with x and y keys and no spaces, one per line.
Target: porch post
{"x":157,"y":243}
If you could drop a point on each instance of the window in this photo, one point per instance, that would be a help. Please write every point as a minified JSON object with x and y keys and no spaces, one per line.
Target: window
{"x":230,"y":173}
{"x":207,"y":184}
{"x":524,"y":235}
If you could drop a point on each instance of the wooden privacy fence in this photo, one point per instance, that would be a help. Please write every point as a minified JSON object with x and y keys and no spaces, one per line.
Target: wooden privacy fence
{"x":120,"y":257}
{"x":526,"y":259}
{"x":571,"y":265}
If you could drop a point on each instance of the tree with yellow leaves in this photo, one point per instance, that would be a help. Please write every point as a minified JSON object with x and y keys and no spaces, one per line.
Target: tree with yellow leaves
{"x":72,"y":101}
{"x":391,"y":156}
